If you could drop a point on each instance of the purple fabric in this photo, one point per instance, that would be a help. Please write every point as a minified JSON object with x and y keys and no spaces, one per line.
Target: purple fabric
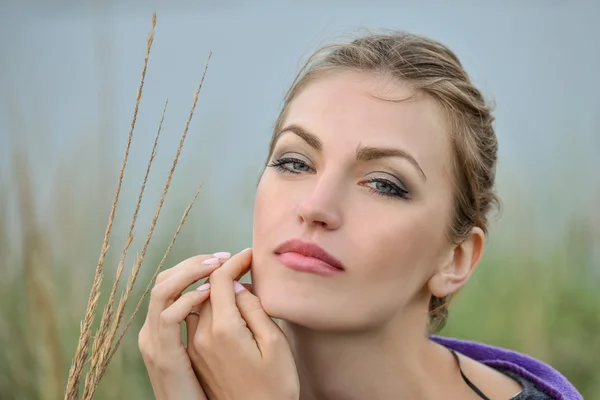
{"x":542,"y":375}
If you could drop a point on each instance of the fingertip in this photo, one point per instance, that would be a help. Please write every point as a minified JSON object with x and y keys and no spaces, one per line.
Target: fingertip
{"x":211,"y":261}
{"x":222,"y":255}
{"x":238,"y":287}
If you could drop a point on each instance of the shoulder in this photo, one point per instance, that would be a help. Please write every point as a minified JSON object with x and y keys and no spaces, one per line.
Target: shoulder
{"x":527,"y":370}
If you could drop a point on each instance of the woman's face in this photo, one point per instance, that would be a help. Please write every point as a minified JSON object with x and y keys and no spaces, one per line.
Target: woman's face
{"x":366,"y":180}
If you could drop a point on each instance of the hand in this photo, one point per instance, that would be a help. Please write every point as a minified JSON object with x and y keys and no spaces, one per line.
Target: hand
{"x":165,"y":356}
{"x":237,"y":349}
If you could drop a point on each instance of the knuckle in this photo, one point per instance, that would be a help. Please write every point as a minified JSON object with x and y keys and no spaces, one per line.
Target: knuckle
{"x":199,"y":344}
{"x":272,"y":339}
{"x":144,"y":344}
{"x":161,"y":277}
{"x":249,"y":304}
{"x":222,"y":331}
{"x":157,"y":292}
{"x":146,"y":354}
{"x":165,"y":318}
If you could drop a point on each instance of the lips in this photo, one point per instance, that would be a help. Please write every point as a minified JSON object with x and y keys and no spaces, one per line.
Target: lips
{"x":310,"y":250}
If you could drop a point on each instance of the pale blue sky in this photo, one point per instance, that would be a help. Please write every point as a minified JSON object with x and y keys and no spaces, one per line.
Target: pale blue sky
{"x":71,"y":71}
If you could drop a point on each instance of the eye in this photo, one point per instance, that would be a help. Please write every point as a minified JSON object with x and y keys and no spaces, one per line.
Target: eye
{"x":385,"y":187}
{"x":290,"y":165}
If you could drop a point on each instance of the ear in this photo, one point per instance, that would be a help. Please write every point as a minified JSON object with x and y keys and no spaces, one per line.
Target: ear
{"x":461,"y":263}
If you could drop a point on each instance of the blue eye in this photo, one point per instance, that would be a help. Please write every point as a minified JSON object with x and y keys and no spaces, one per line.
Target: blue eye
{"x":290,"y":165}
{"x":384,"y":187}
{"x":380,"y":186}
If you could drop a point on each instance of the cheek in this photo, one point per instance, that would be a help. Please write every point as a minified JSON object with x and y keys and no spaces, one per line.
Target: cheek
{"x":404,"y":249}
{"x":272,"y":212}
{"x":260,"y":218}
{"x":268,"y":206}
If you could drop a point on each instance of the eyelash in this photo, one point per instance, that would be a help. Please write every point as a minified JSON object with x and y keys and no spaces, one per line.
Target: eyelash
{"x":400,"y":193}
{"x":279,"y":165}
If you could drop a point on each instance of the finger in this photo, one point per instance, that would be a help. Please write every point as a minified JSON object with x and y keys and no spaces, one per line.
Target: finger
{"x":203,"y":331}
{"x":191,"y":321}
{"x":169,"y":332}
{"x":264,"y":329}
{"x":166,"y":292}
{"x":222,"y":295}
{"x":224,"y":257}
{"x":196,"y":260}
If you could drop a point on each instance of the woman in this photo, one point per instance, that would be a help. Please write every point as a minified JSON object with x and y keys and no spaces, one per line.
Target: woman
{"x":370,"y":214}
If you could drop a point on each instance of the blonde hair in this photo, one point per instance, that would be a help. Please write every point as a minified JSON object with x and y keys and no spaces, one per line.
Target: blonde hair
{"x":431,"y":68}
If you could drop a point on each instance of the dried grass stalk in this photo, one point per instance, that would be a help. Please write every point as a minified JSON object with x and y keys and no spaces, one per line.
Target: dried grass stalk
{"x":81,"y":354}
{"x":102,"y":348}
{"x":121,"y":308}
{"x":107,"y":316}
{"x":156,"y":272}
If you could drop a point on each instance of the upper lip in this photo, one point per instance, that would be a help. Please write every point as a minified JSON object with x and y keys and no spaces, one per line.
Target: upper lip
{"x":308,"y":249}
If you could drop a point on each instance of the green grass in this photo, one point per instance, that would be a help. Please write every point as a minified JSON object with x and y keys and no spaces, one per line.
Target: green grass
{"x":547,"y":307}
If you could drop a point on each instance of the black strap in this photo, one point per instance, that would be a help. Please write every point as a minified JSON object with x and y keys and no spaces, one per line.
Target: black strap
{"x":467,"y":381}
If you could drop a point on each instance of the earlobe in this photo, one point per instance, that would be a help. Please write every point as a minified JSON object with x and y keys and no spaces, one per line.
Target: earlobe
{"x":462,"y":262}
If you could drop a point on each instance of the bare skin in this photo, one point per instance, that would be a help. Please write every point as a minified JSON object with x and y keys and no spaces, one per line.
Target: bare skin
{"x":231,"y":333}
{"x":166,"y":358}
{"x":359,"y":333}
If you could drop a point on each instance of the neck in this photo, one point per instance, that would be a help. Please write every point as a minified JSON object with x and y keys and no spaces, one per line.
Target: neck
{"x":383,"y":364}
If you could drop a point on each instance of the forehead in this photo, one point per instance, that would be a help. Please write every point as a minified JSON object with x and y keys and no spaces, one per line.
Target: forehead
{"x":349,"y":109}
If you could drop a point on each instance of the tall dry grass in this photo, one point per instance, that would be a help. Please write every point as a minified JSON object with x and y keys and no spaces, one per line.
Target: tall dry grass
{"x":104,"y":345}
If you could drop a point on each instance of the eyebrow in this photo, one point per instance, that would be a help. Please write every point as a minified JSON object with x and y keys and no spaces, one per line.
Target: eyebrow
{"x":374,"y":153}
{"x":362,"y":153}
{"x":311,"y":139}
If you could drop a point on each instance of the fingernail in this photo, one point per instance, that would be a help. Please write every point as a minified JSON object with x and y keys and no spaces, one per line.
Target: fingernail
{"x":211,"y":261}
{"x":222,"y":255}
{"x":203,"y":287}
{"x":238,"y":287}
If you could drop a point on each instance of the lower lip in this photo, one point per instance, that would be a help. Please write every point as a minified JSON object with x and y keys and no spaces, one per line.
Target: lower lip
{"x":312,"y":265}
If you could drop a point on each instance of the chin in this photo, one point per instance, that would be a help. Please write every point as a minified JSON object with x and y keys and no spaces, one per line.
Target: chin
{"x":298,"y":311}
{"x":311,"y":306}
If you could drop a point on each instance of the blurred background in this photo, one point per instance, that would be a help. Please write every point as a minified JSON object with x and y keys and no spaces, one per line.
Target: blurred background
{"x":69,"y":72}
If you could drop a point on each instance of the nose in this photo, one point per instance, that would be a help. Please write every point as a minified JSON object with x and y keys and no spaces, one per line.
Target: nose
{"x":321,"y":207}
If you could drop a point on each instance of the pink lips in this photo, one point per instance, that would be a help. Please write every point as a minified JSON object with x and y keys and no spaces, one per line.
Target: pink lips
{"x":307,"y":257}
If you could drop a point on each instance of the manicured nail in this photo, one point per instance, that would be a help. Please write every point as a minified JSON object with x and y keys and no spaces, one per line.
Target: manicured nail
{"x":211,"y":261}
{"x":222,"y":255}
{"x":203,"y":287}
{"x":238,"y":287}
